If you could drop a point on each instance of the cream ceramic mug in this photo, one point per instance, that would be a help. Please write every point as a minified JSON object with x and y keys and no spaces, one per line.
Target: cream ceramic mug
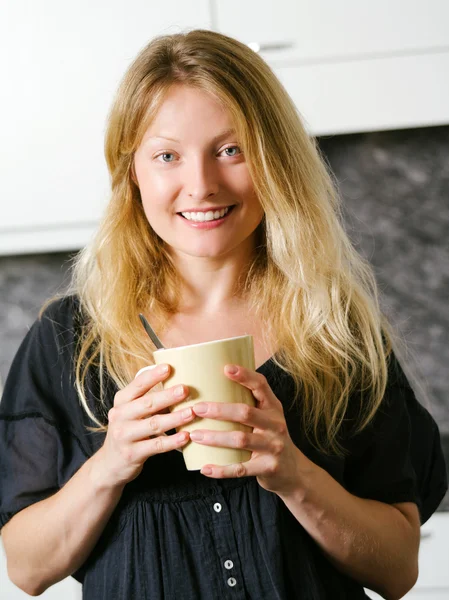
{"x":201,"y":367}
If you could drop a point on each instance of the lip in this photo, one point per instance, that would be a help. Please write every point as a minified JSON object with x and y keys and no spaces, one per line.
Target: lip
{"x":205,"y":210}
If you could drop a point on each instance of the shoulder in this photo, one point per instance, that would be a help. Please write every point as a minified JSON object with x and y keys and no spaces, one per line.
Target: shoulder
{"x":396,"y":375}
{"x":58,"y":325}
{"x":44,"y":359}
{"x":398,"y":456}
{"x":60,"y":311}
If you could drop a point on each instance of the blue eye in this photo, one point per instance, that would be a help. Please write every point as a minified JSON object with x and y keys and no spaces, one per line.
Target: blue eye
{"x":164,"y":154}
{"x":232,"y":148}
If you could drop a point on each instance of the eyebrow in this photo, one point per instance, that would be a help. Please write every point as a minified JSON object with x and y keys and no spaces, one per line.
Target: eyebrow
{"x":217,"y":138}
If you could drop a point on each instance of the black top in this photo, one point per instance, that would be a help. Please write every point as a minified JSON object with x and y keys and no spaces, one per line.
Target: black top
{"x":175,"y":533}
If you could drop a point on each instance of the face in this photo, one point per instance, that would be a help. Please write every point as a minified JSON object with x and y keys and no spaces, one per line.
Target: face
{"x":196,"y":190}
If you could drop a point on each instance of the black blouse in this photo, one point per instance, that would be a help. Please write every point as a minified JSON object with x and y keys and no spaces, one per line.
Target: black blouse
{"x":175,"y":533}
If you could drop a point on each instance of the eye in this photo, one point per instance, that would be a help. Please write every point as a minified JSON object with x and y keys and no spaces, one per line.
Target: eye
{"x":164,"y":157}
{"x":233,"y":151}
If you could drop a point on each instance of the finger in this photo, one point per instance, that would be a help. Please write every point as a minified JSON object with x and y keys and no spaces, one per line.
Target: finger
{"x":256,"y":382}
{"x":158,"y":424}
{"x":153,"y":402}
{"x":158,"y":445}
{"x":252,"y":468}
{"x":142,"y":383}
{"x":143,"y":369}
{"x":238,"y":413}
{"x":242,"y":440}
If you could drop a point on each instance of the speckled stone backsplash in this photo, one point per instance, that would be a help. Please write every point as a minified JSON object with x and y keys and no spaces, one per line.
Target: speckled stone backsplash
{"x":395,"y":188}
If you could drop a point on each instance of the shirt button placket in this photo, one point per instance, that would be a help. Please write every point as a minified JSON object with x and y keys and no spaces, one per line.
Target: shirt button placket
{"x":225,"y":542}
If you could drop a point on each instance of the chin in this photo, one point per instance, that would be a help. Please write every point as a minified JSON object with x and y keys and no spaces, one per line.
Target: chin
{"x":205,"y":253}
{"x":206,"y":250}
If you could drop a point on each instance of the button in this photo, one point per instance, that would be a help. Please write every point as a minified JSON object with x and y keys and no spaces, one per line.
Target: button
{"x":228,"y":564}
{"x":217,"y":507}
{"x":232,"y":582}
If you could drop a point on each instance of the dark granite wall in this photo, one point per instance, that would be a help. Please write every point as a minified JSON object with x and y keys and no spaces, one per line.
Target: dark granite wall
{"x":395,"y":187}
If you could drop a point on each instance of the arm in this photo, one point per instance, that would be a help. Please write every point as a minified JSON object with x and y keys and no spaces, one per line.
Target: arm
{"x":51,"y":539}
{"x":375,"y":543}
{"x":372,"y":542}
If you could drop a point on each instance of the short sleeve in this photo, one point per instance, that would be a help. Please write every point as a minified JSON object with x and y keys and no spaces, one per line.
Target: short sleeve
{"x":39,"y":447}
{"x":398,"y":457}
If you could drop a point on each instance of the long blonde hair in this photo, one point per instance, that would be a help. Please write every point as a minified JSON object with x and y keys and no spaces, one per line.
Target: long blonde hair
{"x":320,"y":294}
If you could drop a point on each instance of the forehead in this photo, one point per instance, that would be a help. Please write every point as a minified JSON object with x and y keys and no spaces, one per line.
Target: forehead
{"x":190,"y":111}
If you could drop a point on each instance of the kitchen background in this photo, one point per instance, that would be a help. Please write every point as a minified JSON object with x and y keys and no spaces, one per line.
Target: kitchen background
{"x":379,"y":106}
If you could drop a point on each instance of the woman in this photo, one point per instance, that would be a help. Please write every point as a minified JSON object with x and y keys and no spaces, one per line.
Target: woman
{"x":223,"y":221}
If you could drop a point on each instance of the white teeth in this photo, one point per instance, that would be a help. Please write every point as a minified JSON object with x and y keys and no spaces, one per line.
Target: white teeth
{"x":208,"y":216}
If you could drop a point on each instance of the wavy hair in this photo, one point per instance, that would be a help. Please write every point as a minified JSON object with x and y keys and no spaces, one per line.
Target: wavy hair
{"x":320,"y":294}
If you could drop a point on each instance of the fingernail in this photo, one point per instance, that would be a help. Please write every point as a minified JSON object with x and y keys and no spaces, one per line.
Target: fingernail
{"x":231,"y":369}
{"x":200,"y":408}
{"x":148,"y":368}
{"x":179,"y":391}
{"x":163,"y":369}
{"x":196,"y":435}
{"x":186,"y":413}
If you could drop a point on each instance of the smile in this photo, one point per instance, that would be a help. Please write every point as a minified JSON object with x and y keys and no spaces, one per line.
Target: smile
{"x":207,"y":219}
{"x":206,"y":216}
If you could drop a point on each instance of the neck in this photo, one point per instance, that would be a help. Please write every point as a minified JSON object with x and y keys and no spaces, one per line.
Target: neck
{"x":210,"y":284}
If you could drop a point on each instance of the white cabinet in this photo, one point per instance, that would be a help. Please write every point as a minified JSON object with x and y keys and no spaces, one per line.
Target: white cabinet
{"x":433,"y":579}
{"x":60,"y":64}
{"x":349,"y":66}
{"x":321,"y":30}
{"x":352,"y":66}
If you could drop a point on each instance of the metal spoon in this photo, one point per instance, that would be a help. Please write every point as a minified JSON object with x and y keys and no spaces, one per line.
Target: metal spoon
{"x":156,"y":341}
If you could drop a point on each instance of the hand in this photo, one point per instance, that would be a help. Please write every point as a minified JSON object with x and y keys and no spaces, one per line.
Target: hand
{"x":137,"y":426}
{"x":275,"y":460}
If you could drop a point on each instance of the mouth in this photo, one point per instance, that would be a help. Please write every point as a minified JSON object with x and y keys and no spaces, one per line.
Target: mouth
{"x":207,"y":216}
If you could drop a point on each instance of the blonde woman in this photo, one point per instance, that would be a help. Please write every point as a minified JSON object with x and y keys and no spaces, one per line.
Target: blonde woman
{"x":223,"y":221}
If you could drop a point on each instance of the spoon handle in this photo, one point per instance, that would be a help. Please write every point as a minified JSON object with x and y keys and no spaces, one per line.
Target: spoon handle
{"x":156,"y":341}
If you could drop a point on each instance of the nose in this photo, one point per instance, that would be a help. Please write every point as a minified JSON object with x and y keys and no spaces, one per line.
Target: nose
{"x":201,"y":179}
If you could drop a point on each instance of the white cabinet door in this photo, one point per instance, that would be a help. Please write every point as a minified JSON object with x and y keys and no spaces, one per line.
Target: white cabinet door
{"x":351,"y":66}
{"x":370,"y":95}
{"x":318,"y":30}
{"x":60,"y":64}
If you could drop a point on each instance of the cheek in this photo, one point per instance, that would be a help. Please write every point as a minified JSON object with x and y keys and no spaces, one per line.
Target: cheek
{"x":157,"y":192}
{"x":151,"y":179}
{"x":156,"y":184}
{"x":252,"y":199}
{"x":242,"y":185}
